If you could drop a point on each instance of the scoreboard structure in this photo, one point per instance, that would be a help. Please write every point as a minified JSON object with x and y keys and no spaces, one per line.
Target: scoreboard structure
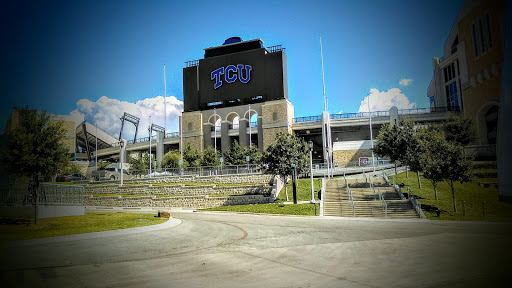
{"x":231,"y":84}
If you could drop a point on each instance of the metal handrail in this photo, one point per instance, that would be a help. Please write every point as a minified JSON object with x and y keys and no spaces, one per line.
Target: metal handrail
{"x":351,"y":198}
{"x":383,"y":202}
{"x":173,"y":135}
{"x":378,"y":114}
{"x":276,"y":48}
{"x":191,"y":63}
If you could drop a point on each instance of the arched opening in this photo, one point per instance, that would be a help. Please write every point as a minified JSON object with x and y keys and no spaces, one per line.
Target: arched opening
{"x":487,"y":123}
{"x":234,"y":120}
{"x":215,"y":121}
{"x":252,"y":127}
{"x":491,"y":124}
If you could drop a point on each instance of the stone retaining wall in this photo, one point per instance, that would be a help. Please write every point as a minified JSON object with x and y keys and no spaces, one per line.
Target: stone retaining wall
{"x":219,"y":179}
{"x":181,"y":190}
{"x":186,"y":202}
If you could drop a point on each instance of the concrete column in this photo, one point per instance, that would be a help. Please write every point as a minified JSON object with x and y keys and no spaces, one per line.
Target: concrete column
{"x":224,"y":137}
{"x":243,"y":138}
{"x":260,"y":134}
{"x":159,"y":147}
{"x":208,"y":140}
{"x":326,"y":135}
{"x":393,"y":116}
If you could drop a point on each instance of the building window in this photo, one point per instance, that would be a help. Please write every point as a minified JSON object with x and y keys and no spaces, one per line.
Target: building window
{"x":189,"y":126}
{"x":475,"y":41}
{"x":274,"y":116}
{"x":482,"y":35}
{"x":489,"y":31}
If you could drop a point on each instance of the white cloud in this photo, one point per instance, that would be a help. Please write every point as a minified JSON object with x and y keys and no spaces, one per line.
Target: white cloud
{"x":106,"y":113}
{"x":383,"y":101}
{"x":405,"y":81}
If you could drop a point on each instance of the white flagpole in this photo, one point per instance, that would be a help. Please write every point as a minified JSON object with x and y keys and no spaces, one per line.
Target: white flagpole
{"x":181,"y":142}
{"x":327,"y":133}
{"x":250,"y":131}
{"x":371,"y":132}
{"x":165,"y":104}
{"x":323,"y":79}
{"x":96,"y":152}
{"x":215,"y":128}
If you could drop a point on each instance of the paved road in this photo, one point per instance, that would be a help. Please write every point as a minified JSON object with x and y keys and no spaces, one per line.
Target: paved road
{"x":238,"y":250}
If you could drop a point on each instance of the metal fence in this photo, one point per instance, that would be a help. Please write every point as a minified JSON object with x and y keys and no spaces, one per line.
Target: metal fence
{"x":199,"y":171}
{"x":49,"y":194}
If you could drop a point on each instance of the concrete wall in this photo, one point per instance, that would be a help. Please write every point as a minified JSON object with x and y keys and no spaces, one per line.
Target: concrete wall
{"x":44,"y":211}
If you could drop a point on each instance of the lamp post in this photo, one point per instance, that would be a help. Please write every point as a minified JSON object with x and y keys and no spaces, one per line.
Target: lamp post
{"x":150,"y":132}
{"x":310,"y":145}
{"x":122,"y":144}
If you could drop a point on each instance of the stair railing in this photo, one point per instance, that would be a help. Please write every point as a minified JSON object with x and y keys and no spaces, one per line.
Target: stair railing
{"x":351,"y":198}
{"x":415,"y":204}
{"x":383,"y":202}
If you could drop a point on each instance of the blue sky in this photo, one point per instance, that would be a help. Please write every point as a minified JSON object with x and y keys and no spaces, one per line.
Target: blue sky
{"x":89,"y":56}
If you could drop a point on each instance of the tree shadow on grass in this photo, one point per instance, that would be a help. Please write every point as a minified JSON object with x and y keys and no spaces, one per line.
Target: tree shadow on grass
{"x":432,"y":209}
{"x":15,"y":221}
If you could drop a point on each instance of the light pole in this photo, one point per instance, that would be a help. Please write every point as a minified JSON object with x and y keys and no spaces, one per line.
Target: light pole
{"x":150,"y":132}
{"x":310,"y":145}
{"x":371,"y":133}
{"x":122,"y":144}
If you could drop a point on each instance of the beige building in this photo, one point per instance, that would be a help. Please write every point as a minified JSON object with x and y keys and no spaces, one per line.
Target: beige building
{"x":66,"y":122}
{"x":468,"y":76}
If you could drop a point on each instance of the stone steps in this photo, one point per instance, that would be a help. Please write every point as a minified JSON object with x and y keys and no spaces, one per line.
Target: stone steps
{"x":366,"y":203}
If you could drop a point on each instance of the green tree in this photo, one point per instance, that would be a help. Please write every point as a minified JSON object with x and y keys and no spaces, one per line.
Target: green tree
{"x":191,"y":156}
{"x":210,"y":158}
{"x":255,"y":155}
{"x":392,"y":141}
{"x":71,"y":167}
{"x":140,"y":163}
{"x":235,"y":155}
{"x":456,"y":167}
{"x":432,"y":145}
{"x":460,"y":129}
{"x":35,"y":148}
{"x":414,"y":154}
{"x":172,"y":159}
{"x":285,"y":151}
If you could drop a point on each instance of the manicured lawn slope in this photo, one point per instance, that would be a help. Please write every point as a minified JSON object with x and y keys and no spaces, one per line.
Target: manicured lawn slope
{"x":276,"y":208}
{"x":471,"y":192}
{"x":303,"y":190}
{"x":20,"y":229}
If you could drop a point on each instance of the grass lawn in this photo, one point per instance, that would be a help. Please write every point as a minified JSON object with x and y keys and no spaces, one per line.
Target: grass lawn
{"x":290,"y":209}
{"x":20,"y":229}
{"x":303,"y":190}
{"x":471,"y":192}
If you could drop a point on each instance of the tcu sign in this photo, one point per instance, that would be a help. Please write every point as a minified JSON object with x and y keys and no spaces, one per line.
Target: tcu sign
{"x":230,"y":74}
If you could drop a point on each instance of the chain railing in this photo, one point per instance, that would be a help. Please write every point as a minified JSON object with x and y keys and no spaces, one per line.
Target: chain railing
{"x":49,"y":194}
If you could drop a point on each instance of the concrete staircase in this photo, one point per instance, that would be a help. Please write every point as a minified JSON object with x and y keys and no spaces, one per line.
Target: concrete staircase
{"x":366,"y":201}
